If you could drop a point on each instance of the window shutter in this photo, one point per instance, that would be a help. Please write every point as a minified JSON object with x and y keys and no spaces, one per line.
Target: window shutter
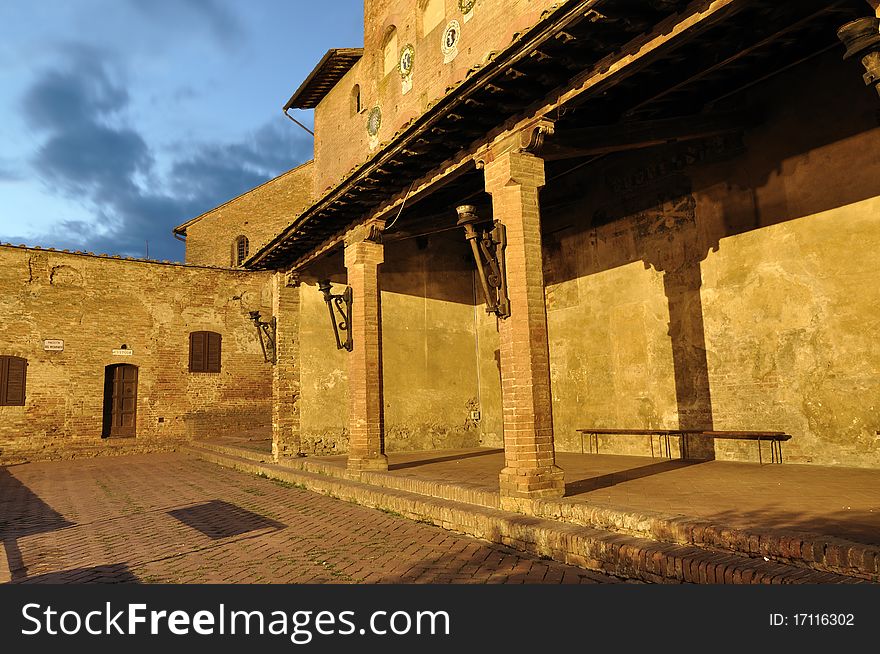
{"x":212,"y":352}
{"x":204,"y":352}
{"x":13,"y":378}
{"x":197,"y":352}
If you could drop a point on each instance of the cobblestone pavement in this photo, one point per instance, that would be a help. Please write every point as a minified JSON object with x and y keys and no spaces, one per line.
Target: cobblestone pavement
{"x":171,"y":518}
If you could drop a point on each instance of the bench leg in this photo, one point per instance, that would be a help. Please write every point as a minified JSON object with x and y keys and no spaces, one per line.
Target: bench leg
{"x":776,"y":449}
{"x":760,"y":460}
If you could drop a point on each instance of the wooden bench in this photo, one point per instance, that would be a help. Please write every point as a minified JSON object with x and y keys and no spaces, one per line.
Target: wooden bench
{"x":663,"y":434}
{"x":776,"y":438}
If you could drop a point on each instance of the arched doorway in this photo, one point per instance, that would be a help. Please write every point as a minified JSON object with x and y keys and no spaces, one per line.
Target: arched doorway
{"x":120,"y":401}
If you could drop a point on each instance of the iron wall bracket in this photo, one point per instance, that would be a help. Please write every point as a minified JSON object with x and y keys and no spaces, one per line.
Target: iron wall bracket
{"x":339,"y":306}
{"x":488,"y":247}
{"x":266,"y":330}
{"x":862,"y":39}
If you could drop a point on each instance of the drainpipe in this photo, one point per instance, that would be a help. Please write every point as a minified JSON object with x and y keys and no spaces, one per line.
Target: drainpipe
{"x":286,"y":109}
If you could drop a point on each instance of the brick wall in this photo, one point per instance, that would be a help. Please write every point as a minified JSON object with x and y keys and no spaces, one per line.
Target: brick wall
{"x":285,"y":372}
{"x":97,"y":304}
{"x":259,"y":215}
{"x":342,"y":142}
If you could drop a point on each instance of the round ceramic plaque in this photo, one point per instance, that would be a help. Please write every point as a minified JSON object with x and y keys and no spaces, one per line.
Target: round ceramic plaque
{"x":407,"y":59}
{"x":451,"y":37}
{"x":374,"y":121}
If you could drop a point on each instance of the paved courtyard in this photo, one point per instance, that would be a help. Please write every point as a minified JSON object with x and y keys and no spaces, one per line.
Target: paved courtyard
{"x":172,"y":518}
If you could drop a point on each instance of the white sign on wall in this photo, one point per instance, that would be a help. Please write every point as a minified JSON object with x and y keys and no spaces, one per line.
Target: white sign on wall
{"x":123,"y":353}
{"x":53,"y":345}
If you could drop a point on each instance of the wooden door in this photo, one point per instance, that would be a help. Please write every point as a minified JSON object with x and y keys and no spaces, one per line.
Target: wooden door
{"x":120,"y":400}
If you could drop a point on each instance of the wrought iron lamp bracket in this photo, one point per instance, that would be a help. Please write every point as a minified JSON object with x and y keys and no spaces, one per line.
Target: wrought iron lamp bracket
{"x":266,"y":330}
{"x":488,"y":247}
{"x":862,"y":40}
{"x":339,"y":306}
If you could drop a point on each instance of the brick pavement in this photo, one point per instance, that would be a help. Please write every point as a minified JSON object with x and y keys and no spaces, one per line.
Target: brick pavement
{"x":170,"y":518}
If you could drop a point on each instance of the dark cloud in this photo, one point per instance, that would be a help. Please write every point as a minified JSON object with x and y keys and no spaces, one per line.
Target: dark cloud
{"x":91,"y":155}
{"x":215,"y":170}
{"x":194,"y":14}
{"x":75,"y":95}
{"x":94,"y":159}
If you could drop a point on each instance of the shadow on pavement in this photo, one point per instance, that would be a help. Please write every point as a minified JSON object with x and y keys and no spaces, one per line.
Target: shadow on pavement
{"x":218,"y":519}
{"x":117,"y":573}
{"x":441,"y":459}
{"x":604,"y":481}
{"x":23,"y":513}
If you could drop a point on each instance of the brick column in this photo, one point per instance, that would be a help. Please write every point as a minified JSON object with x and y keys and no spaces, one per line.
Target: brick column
{"x":530,"y":471}
{"x":364,"y":253}
{"x":285,"y":372}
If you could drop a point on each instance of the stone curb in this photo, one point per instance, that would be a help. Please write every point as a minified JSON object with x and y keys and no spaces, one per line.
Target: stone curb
{"x":809,"y":550}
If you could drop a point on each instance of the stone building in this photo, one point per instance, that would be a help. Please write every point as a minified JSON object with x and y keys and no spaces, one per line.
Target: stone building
{"x":673,"y":205}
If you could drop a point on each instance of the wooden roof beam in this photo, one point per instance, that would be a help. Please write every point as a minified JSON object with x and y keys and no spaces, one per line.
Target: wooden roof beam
{"x":572,"y":143}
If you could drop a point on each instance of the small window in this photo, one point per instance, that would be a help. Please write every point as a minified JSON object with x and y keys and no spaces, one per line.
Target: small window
{"x":240,"y":251}
{"x":204,"y":352}
{"x":356,"y":100}
{"x":389,"y":50}
{"x":13,"y":375}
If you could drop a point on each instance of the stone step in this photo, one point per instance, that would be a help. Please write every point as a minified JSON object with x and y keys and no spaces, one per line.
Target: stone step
{"x":622,"y":555}
{"x":241,"y":452}
{"x":87,"y":448}
{"x":809,"y":550}
{"x":454,"y":492}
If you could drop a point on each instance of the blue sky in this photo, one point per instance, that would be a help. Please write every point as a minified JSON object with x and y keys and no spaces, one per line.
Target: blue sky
{"x":120,"y":119}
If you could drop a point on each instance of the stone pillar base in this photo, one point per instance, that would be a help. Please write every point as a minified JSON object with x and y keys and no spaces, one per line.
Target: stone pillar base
{"x":697,"y":448}
{"x":532,"y":483}
{"x":378,"y":463}
{"x":285,"y":450}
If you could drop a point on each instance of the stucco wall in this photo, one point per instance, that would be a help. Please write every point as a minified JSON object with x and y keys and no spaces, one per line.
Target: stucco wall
{"x":728,"y":285}
{"x":429,"y":357}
